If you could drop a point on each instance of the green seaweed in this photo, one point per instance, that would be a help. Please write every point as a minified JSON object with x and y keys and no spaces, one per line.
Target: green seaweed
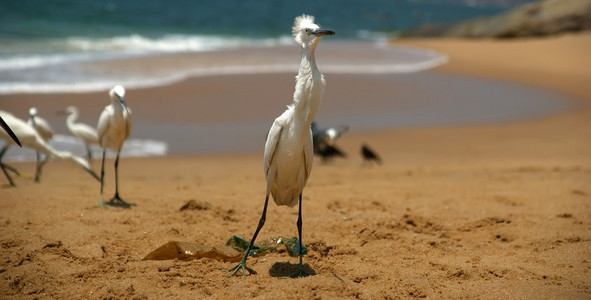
{"x":266,"y":246}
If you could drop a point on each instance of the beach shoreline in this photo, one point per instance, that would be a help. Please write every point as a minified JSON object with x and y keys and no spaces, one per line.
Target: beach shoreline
{"x":497,"y":210}
{"x":229,"y":113}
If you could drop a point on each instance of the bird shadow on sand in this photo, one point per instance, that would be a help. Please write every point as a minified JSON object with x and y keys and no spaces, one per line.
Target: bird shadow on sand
{"x":119,"y":204}
{"x":287,"y":269}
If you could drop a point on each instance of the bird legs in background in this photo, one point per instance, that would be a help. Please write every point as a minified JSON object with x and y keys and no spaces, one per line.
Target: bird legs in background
{"x":242,"y":265}
{"x":116,"y":200}
{"x":39,"y":166}
{"x":89,"y":153}
{"x":6,"y":168}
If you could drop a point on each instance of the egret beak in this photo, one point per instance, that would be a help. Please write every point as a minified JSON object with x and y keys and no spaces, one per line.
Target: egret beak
{"x":323,"y":32}
{"x":10,"y":132}
{"x":122,"y":100}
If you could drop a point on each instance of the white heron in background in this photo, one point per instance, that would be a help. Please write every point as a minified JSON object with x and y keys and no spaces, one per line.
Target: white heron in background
{"x":86,"y":133}
{"x":114,"y":127}
{"x":288,"y":149}
{"x":29,"y":137}
{"x":45,"y":132}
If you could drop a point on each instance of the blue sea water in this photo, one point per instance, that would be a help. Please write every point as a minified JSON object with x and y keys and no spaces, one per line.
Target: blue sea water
{"x":49,"y":46}
{"x":82,"y":45}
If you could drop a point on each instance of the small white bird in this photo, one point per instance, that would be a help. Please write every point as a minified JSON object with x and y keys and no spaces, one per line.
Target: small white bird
{"x":29,"y":137}
{"x":114,"y":127}
{"x":288,"y":149}
{"x":45,"y":132}
{"x":86,"y":133}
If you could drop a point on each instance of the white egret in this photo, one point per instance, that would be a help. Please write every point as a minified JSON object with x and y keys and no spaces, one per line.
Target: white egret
{"x":29,"y":137}
{"x":86,"y":133}
{"x":288,"y":149}
{"x":113,"y":129}
{"x":45,"y":132}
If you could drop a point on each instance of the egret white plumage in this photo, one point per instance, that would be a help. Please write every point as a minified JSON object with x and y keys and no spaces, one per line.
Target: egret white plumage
{"x":114,"y":127}
{"x":45,"y":132}
{"x":288,"y":149}
{"x":10,"y":132}
{"x":29,"y":137}
{"x":86,"y":133}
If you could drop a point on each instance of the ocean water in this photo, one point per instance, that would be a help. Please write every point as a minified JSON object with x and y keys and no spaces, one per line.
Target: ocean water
{"x":59,"y":46}
{"x":81,"y":46}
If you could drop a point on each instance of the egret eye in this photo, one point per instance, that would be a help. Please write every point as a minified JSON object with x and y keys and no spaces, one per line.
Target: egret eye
{"x":308,"y":31}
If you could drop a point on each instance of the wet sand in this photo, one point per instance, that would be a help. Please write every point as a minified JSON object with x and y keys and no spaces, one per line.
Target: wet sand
{"x":456,"y":211}
{"x":230,"y":114}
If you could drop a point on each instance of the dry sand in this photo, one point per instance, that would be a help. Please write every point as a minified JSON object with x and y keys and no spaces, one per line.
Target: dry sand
{"x":495,"y":211}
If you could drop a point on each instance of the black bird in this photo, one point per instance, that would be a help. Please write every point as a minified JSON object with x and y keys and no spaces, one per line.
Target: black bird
{"x":369,"y":155}
{"x":326,"y":152}
{"x":323,"y":141}
{"x":328,"y":135}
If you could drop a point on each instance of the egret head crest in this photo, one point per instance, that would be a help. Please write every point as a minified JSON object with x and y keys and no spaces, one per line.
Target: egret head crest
{"x":306,"y":32}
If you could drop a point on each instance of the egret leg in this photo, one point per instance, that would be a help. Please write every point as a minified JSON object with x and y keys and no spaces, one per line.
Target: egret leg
{"x":89,"y":153}
{"x":4,"y":167}
{"x":300,"y":272}
{"x":40,"y":165}
{"x":102,"y":178}
{"x":242,"y":265}
{"x":116,"y":200}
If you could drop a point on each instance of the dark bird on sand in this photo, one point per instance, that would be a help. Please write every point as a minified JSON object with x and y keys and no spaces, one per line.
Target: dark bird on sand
{"x":327,"y":152}
{"x":369,"y":155}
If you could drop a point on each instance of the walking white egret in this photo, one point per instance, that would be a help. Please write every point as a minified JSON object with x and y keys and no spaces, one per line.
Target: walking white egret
{"x":86,"y":133}
{"x":29,"y":137}
{"x":113,"y":129}
{"x":288,"y":149}
{"x":45,"y":132}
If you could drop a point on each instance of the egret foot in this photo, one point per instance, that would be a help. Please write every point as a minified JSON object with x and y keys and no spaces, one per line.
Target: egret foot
{"x":117,"y":201}
{"x":241,"y":266}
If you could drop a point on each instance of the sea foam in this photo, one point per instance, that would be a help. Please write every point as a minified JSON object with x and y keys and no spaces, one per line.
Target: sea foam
{"x":82,"y":70}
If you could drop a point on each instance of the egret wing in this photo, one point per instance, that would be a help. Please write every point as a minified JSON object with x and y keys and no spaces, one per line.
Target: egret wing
{"x":271,"y":143}
{"x":103,"y":125}
{"x":308,"y":155}
{"x":128,"y":123}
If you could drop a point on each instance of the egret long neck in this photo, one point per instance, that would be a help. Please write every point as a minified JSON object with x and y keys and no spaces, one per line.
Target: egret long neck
{"x":309,"y":86}
{"x":118,"y":110}
{"x":71,"y":119}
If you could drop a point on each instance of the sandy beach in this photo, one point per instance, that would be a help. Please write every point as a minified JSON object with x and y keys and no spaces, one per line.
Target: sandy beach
{"x":490,"y":210}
